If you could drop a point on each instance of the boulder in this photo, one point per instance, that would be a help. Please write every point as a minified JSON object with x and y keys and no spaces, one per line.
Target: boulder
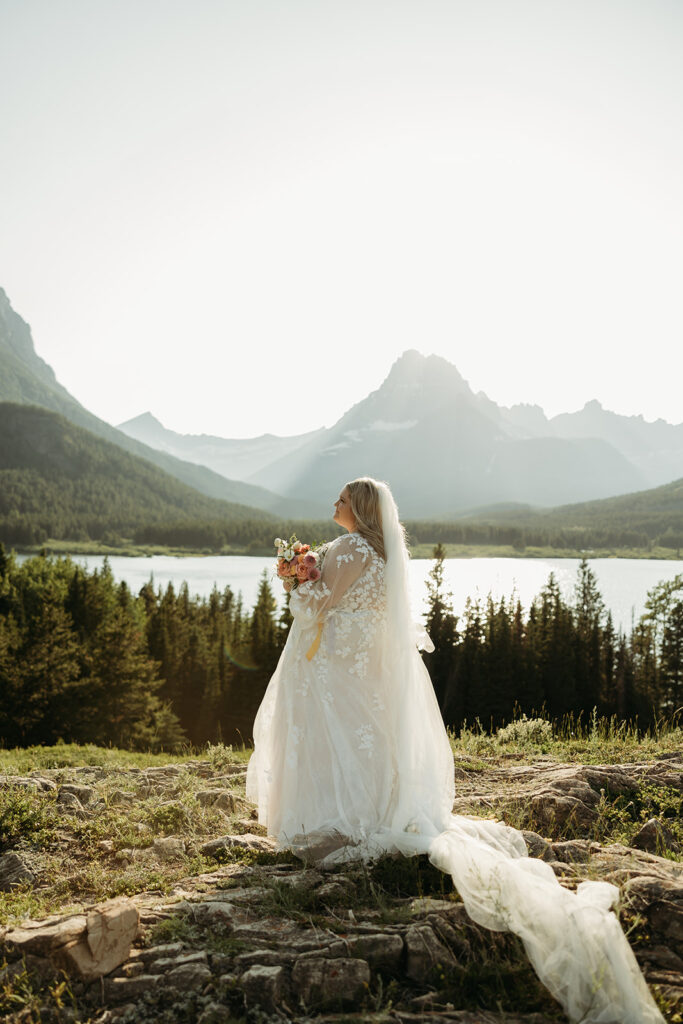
{"x":330,"y":984}
{"x":69,"y":802}
{"x":123,"y":990}
{"x":573,"y":851}
{"x":264,"y":986}
{"x":661,"y":901}
{"x":188,"y":976}
{"x":655,"y":837}
{"x":549,"y":807}
{"x":88,"y":945}
{"x":14,"y":871}
{"x":425,"y":953}
{"x":121,"y":797}
{"x":215,"y":1013}
{"x":223,"y":799}
{"x":169,"y":848}
{"x":84,"y":794}
{"x":537,"y":845}
{"x":36,"y":785}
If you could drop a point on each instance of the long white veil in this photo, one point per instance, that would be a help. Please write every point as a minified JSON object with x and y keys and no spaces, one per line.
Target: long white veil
{"x":573,"y":939}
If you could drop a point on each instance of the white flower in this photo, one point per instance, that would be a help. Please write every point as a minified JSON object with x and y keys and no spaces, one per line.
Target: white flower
{"x":279,"y":542}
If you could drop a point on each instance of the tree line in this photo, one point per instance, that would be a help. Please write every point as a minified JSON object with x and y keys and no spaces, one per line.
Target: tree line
{"x":559,"y":657}
{"x":83,"y":659}
{"x":56,"y":520}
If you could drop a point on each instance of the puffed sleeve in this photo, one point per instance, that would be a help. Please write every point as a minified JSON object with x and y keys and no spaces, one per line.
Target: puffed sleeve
{"x":343,"y":563}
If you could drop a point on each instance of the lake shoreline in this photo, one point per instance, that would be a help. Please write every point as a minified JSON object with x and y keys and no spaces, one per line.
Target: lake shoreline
{"x":417,"y":551}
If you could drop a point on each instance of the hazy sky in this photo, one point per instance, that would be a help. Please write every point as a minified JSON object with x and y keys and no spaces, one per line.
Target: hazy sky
{"x":238,"y":214}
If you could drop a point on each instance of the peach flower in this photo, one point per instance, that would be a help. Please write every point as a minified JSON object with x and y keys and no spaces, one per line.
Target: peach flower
{"x":302,"y":573}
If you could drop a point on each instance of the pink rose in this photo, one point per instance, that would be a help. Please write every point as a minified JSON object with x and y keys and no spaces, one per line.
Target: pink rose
{"x":282,"y":568}
{"x":302,"y":573}
{"x":313,"y":572}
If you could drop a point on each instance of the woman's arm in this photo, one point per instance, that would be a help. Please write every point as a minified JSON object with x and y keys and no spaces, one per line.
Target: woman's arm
{"x":343,"y":563}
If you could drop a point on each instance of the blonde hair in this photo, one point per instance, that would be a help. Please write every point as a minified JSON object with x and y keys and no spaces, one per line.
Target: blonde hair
{"x":365,"y":505}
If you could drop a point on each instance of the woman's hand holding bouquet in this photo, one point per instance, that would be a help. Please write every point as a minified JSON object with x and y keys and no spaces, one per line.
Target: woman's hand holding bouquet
{"x":296,"y":562}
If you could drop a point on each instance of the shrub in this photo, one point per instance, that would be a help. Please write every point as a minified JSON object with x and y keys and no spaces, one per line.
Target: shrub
{"x":526,"y":730}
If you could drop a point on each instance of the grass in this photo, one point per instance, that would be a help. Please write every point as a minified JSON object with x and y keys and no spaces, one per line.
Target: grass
{"x":422,"y":550}
{"x":426,"y":550}
{"x":22,"y":993}
{"x":108,"y":851}
{"x":571,"y":739}
{"x":179,"y":928}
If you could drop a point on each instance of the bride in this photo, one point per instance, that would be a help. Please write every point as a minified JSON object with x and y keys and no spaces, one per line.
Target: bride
{"x":351,"y":760}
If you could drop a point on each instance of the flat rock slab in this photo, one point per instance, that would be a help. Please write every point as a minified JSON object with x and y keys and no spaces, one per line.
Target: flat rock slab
{"x":248,"y":841}
{"x":89,"y":945}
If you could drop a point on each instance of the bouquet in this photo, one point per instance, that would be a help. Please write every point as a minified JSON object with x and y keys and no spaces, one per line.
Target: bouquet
{"x":296,"y":562}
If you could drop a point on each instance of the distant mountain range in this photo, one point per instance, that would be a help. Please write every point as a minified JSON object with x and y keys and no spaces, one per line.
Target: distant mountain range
{"x":444,"y":449}
{"x":27,"y":379}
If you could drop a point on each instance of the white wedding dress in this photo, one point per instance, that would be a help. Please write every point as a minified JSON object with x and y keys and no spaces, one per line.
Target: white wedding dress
{"x":351,"y":760}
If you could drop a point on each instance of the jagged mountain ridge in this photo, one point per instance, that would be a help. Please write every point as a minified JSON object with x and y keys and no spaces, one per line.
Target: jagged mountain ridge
{"x":444,"y":448}
{"x":29,"y":380}
{"x":237,"y":459}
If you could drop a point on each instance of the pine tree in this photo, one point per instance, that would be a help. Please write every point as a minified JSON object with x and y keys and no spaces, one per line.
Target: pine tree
{"x":441,"y":625}
{"x":672,"y":660}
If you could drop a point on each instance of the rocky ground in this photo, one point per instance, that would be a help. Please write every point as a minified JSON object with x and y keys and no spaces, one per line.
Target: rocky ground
{"x":138,"y":894}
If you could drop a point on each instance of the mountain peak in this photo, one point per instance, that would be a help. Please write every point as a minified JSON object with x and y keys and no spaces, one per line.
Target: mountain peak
{"x":414,"y":370}
{"x":145,"y":419}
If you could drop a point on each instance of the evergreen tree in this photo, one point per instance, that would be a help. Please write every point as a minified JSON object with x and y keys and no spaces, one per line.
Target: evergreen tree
{"x":441,"y":625}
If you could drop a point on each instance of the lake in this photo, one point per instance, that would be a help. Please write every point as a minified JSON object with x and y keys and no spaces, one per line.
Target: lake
{"x":623,"y":582}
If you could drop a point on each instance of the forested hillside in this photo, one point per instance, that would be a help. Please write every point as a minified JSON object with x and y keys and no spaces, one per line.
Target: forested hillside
{"x":640,"y":520}
{"x":60,"y":481}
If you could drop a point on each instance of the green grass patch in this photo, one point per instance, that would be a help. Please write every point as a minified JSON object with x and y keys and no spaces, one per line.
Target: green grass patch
{"x":570,"y":739}
{"x":25,"y":815}
{"x":179,"y":928}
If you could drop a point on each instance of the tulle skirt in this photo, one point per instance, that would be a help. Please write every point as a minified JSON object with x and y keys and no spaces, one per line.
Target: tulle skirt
{"x":353,"y":761}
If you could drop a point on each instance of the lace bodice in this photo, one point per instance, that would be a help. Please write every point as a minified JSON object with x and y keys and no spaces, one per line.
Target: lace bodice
{"x":351,"y":583}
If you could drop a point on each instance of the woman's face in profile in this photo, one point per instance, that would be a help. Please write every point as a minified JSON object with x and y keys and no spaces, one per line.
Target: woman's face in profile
{"x":342,"y":511}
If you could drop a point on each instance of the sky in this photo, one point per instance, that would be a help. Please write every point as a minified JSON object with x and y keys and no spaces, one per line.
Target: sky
{"x":237,"y":215}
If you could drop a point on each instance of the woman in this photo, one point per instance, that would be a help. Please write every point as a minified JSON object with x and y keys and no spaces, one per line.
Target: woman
{"x":352,"y":760}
